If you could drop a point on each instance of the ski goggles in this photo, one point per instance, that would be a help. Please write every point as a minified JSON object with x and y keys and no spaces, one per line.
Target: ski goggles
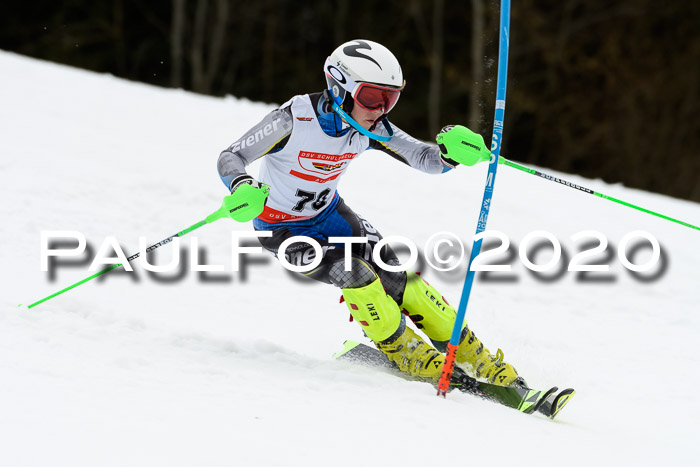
{"x":367,"y":95}
{"x":374,"y":97}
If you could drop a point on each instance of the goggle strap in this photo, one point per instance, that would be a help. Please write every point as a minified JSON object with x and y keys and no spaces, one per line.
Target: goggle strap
{"x":357,"y":126}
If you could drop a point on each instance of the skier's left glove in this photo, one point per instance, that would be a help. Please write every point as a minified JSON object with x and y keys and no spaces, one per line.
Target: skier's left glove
{"x":460,"y":145}
{"x":247,"y":198}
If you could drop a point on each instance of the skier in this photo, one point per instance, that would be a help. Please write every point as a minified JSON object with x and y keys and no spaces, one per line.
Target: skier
{"x":307,"y":145}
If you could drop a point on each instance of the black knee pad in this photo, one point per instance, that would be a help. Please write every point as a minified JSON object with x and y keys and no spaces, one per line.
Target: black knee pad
{"x":394,"y":282}
{"x":360,"y":275}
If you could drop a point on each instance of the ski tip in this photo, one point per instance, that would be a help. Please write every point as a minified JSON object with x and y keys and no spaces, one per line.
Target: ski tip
{"x":543,"y":399}
{"x":347,"y":347}
{"x":560,"y":401}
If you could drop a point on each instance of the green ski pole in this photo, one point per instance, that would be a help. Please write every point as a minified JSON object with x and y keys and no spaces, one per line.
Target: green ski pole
{"x":503,"y":160}
{"x":229,"y":208}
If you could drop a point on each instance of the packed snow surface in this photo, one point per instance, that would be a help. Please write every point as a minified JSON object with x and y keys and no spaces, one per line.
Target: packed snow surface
{"x":236,"y":369}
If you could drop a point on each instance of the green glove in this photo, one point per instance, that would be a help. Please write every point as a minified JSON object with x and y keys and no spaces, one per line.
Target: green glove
{"x":460,"y":145}
{"x":247,"y":199}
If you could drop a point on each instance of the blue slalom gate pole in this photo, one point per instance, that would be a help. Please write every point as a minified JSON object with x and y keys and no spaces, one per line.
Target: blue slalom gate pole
{"x":448,"y":367}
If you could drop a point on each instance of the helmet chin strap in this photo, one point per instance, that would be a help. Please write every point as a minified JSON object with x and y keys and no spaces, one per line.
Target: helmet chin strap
{"x":359,"y":128}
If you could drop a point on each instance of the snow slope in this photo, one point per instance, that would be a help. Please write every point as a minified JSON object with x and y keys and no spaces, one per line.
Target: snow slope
{"x":132,"y":371}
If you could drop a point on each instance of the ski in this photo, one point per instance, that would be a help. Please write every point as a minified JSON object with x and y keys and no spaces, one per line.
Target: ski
{"x":525,"y":400}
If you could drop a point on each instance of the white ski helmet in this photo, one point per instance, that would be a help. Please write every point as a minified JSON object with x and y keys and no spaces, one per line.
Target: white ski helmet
{"x":364,"y":72}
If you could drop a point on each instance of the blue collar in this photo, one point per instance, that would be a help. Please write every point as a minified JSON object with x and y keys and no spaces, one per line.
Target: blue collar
{"x":330,"y":122}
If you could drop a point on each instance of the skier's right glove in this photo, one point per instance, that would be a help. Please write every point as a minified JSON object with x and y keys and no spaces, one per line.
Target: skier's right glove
{"x":247,"y":198}
{"x":460,"y":145}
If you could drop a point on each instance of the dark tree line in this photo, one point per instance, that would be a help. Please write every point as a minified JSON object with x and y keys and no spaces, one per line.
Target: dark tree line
{"x":602,"y":89}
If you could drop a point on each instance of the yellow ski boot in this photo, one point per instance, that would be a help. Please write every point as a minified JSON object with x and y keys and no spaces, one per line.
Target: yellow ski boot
{"x":381,"y":320}
{"x":429,"y":310}
{"x":476,"y":359}
{"x":414,"y":356}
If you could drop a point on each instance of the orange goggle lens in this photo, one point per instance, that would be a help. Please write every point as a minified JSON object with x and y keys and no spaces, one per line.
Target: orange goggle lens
{"x":373,"y":97}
